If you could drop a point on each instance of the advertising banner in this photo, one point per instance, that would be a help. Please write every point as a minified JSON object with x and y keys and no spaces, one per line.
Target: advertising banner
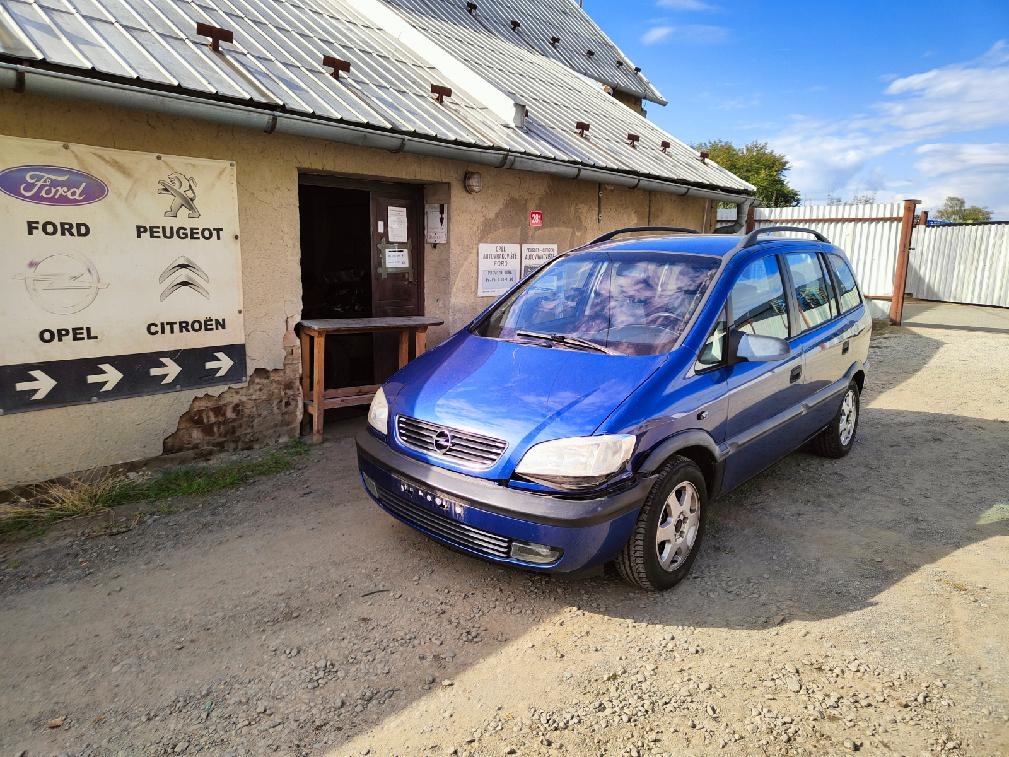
{"x":120,"y":274}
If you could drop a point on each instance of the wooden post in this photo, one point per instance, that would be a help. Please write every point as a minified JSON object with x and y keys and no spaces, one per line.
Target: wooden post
{"x":318,"y":387}
{"x":420,"y":341}
{"x":751,"y":222}
{"x":306,"y":372}
{"x":903,"y":255}
{"x":404,"y":347}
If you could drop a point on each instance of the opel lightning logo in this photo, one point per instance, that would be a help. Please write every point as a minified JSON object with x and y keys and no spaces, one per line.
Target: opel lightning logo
{"x":443,"y":441}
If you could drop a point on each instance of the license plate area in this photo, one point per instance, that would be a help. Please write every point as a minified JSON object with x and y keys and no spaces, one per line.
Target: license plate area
{"x":432,"y":499}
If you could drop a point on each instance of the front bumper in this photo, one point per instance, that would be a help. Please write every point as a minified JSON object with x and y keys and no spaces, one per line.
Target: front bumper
{"x":483,"y":517}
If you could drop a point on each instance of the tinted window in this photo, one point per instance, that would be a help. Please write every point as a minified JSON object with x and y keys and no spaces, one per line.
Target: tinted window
{"x":848,"y":290}
{"x":713,"y":351}
{"x":757,"y":301}
{"x":635,"y":303}
{"x":813,"y":290}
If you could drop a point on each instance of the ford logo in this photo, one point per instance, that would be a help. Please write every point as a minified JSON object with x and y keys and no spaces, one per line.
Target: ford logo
{"x":52,"y":185}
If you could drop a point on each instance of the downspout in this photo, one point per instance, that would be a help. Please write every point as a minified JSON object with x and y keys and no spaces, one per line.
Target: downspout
{"x":59,"y":85}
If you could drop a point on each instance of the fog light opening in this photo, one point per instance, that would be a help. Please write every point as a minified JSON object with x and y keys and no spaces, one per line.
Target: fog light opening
{"x":370,"y":485}
{"x":540,"y":554}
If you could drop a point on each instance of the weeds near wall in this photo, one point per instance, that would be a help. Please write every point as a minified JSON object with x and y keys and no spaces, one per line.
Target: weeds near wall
{"x":100,"y":491}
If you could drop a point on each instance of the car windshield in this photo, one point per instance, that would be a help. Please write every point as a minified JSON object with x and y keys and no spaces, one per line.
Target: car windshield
{"x":630,"y":303}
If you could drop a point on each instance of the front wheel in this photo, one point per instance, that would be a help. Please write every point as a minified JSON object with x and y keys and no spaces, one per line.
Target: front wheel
{"x":838,"y":438}
{"x":669,"y":528}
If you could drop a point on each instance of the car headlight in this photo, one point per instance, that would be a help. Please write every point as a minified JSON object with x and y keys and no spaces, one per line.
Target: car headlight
{"x":578,"y":462}
{"x":378,"y":413}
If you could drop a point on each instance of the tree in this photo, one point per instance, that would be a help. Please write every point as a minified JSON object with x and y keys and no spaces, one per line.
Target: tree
{"x":757,"y":164}
{"x":956,"y":210}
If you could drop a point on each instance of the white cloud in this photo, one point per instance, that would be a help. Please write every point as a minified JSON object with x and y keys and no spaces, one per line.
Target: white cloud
{"x":943,"y":159}
{"x":696,"y":34}
{"x":844,"y":157}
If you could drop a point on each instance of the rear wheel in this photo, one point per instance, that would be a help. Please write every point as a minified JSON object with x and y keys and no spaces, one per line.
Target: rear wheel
{"x":838,"y":438}
{"x":669,"y":528}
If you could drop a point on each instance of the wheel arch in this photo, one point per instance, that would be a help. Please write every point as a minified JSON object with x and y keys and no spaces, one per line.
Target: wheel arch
{"x":698,"y":447}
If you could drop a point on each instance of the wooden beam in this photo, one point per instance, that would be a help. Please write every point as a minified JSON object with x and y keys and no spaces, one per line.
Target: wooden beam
{"x":903,"y":256}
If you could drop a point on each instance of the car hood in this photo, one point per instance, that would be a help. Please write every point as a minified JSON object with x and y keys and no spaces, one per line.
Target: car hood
{"x":520,"y":393}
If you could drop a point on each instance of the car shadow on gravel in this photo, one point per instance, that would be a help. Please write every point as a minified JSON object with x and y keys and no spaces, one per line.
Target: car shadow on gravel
{"x":811,"y":539}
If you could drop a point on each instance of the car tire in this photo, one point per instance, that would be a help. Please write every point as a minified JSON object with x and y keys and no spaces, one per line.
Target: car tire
{"x":676,"y":507}
{"x":838,"y":438}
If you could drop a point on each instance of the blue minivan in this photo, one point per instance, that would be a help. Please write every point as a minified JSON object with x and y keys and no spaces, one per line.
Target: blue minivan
{"x":591,"y":414}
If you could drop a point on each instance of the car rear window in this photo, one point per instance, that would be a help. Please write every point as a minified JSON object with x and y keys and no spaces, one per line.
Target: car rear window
{"x":847,"y":288}
{"x":627,"y":302}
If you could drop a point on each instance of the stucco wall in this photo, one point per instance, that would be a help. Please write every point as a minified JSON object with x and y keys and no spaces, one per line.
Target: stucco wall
{"x":46,"y":443}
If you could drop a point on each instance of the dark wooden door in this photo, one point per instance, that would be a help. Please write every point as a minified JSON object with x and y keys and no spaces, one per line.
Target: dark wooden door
{"x":397,"y":265}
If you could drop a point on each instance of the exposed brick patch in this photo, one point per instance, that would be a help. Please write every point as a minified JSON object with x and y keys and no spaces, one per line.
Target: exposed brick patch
{"x":266,"y":411}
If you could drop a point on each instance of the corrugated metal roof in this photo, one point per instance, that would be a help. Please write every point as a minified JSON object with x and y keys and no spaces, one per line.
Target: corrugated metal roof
{"x":541,"y":20}
{"x":558,"y":97}
{"x":276,"y":63}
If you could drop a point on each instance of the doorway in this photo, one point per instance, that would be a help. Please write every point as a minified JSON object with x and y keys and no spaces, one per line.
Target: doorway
{"x":361,"y":257}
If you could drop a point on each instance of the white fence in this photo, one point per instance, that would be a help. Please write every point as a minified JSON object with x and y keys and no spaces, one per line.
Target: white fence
{"x":968,"y":263}
{"x":868,"y":233}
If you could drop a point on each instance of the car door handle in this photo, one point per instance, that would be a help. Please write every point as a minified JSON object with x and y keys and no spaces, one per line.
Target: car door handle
{"x":845,"y":346}
{"x":795,"y":375}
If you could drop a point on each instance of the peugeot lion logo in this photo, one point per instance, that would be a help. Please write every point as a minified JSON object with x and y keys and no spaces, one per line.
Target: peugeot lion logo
{"x":183,"y":192}
{"x":443,"y":441}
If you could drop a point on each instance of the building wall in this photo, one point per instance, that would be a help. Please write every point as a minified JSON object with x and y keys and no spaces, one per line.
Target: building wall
{"x":46,"y":443}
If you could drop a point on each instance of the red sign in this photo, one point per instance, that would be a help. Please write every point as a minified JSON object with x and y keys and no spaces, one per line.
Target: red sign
{"x":535,"y":218}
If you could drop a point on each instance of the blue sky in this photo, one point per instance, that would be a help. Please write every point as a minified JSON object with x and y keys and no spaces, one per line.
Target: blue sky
{"x":900,"y":99}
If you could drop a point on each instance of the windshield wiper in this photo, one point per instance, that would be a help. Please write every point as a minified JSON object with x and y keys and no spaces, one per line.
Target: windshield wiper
{"x":567,"y":341}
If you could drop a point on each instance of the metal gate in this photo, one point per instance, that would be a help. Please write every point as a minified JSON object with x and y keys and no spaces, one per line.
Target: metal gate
{"x":966,"y":263}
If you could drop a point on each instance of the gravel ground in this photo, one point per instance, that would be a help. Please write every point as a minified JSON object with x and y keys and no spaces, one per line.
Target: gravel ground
{"x":859,"y":605}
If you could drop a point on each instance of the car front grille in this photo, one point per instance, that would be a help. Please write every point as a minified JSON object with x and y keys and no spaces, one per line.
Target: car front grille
{"x":463,"y":447}
{"x":443,"y":527}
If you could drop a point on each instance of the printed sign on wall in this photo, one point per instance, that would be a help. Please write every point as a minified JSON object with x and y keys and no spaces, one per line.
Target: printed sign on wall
{"x":436,"y":223}
{"x":535,"y":256}
{"x":498,"y":269}
{"x":120,"y":274}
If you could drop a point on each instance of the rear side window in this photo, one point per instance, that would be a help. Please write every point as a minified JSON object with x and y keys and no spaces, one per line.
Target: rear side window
{"x":814,"y":292}
{"x":847,"y":289}
{"x":757,"y":302}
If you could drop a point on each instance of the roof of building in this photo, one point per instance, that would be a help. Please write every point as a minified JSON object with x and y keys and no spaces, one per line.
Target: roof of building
{"x":563,"y":31}
{"x":276,"y":63}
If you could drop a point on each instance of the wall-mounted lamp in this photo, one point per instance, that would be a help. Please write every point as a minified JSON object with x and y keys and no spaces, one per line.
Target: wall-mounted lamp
{"x":472,"y":181}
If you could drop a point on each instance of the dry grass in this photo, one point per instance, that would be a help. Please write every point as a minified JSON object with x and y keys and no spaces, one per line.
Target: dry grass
{"x":84,"y":494}
{"x":101,"y":490}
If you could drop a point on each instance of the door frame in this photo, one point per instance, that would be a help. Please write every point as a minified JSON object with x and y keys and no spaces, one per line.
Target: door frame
{"x":405,"y":190}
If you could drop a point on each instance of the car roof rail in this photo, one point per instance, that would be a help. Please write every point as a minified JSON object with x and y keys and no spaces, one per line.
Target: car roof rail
{"x":631,"y":229}
{"x":754,"y":236}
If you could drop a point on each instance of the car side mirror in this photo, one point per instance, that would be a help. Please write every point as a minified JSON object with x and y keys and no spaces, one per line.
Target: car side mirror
{"x":753,"y":348}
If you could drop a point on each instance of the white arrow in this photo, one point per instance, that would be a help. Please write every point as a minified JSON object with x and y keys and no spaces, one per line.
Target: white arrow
{"x":110,"y":377}
{"x":169,"y":371}
{"x":42,"y":385}
{"x":223,"y":363}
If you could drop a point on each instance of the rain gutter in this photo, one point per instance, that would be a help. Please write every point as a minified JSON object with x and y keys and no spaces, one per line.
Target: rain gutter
{"x":61,"y":85}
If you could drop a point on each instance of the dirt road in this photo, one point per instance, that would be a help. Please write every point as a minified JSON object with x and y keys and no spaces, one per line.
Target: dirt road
{"x":857,"y":605}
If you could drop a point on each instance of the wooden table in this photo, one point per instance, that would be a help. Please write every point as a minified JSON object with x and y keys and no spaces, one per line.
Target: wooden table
{"x":313,"y":335}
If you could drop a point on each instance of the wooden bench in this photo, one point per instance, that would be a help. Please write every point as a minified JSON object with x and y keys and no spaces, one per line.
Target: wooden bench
{"x":313,"y":335}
